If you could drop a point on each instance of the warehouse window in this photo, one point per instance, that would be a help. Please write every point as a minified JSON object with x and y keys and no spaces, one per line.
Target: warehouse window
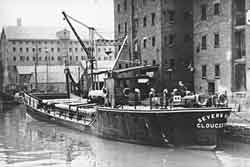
{"x":204,"y":42}
{"x":216,"y":8}
{"x":203,"y":12}
{"x":216,"y":40}
{"x":217,"y":71}
{"x":171,"y":40}
{"x":126,"y":27}
{"x":119,"y":28}
{"x":118,"y":8}
{"x":172,"y":63}
{"x":171,"y":15}
{"x":125,"y":5}
{"x":153,"y":41}
{"x":145,"y":21}
{"x":153,"y":19}
{"x":145,"y":43}
{"x":204,"y":71}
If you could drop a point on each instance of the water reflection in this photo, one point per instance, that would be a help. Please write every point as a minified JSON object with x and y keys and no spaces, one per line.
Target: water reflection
{"x":27,"y":142}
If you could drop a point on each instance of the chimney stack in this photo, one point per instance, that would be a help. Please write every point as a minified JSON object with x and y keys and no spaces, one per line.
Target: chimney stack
{"x":19,"y":22}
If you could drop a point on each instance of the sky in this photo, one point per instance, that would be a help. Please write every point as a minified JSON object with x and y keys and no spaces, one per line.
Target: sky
{"x":96,"y":13}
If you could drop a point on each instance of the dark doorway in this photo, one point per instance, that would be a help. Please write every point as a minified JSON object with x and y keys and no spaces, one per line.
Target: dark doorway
{"x":211,"y":88}
{"x":240,"y":77}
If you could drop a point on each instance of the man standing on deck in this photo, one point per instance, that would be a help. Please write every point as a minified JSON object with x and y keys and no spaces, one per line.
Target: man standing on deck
{"x":182,"y":88}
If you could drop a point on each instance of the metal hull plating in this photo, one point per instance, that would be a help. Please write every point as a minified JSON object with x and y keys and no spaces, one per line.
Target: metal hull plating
{"x":188,"y":127}
{"x":43,"y":116}
{"x":160,"y":127}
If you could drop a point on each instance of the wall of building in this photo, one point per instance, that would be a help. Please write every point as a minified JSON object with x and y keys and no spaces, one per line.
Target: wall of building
{"x":221,"y":55}
{"x":177,"y":55}
{"x":148,"y":43}
{"x":122,"y":16}
{"x":247,"y":31}
{"x":24,"y":52}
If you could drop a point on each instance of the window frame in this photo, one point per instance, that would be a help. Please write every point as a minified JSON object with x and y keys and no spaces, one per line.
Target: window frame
{"x":204,"y":71}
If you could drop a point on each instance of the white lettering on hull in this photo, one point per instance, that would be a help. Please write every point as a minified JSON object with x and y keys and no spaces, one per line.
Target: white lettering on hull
{"x":210,"y":125}
{"x":203,"y":121}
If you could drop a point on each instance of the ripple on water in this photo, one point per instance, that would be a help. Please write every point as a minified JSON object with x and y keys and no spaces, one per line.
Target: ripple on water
{"x":26,"y":142}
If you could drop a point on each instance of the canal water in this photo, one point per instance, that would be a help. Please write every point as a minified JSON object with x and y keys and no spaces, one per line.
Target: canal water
{"x":26,"y":142}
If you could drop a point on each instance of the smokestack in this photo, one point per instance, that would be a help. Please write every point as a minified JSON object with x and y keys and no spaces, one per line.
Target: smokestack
{"x":19,"y":22}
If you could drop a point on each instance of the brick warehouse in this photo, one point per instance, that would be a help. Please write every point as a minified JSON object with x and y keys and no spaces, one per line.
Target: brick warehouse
{"x":156,"y":36}
{"x":209,"y":35}
{"x":24,"y":46}
{"x":221,"y":47}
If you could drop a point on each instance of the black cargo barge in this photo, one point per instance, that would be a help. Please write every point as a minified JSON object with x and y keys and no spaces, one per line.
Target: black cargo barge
{"x":180,"y":126}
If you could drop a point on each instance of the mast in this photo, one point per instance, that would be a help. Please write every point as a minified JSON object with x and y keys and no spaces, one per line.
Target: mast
{"x":92,"y":59}
{"x":47,"y":69}
{"x":36,"y":63}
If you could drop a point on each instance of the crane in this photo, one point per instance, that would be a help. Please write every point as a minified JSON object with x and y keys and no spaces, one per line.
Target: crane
{"x":86,"y":26}
{"x":88,"y":51}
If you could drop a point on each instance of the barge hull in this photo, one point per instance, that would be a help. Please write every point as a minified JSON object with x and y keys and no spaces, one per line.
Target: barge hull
{"x":55,"y":120}
{"x":167,"y":129}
